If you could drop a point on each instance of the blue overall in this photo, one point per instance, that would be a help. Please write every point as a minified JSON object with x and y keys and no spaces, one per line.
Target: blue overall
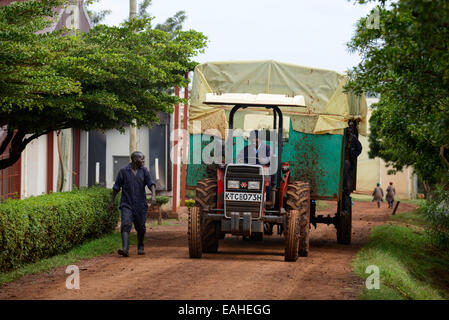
{"x":133,"y":203}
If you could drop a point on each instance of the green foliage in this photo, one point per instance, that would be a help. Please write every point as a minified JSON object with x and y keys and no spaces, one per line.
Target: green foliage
{"x":96,"y":17}
{"x":406,"y":61}
{"x":143,"y":9}
{"x":436,"y":212}
{"x":190,"y":203}
{"x":170,"y":25}
{"x":410,"y":268}
{"x":322,"y":205}
{"x":104,"y":79}
{"x":161,"y":200}
{"x":43,"y":226}
{"x":174,"y":23}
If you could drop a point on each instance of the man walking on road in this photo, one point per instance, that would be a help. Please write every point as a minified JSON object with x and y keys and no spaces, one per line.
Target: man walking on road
{"x":391,"y":191}
{"x":132,"y":180}
{"x":378,"y":194}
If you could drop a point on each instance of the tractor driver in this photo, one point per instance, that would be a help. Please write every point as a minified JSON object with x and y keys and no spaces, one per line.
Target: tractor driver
{"x":256,"y":152}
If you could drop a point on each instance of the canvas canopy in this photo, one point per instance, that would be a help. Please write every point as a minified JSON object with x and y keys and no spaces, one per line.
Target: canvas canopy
{"x":327,"y":109}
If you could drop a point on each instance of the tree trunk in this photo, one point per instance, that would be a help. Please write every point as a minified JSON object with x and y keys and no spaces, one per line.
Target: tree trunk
{"x":132,"y":9}
{"x":426,"y":187}
{"x":132,"y":129}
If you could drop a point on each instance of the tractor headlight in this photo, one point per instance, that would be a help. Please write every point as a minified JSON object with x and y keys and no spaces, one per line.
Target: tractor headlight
{"x":233,"y":184}
{"x":253,"y":185}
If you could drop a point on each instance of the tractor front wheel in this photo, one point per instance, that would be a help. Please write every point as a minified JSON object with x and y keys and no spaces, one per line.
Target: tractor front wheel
{"x":194,"y":233}
{"x":298,"y":198}
{"x":206,"y":198}
{"x":292,"y":234}
{"x":209,"y":237}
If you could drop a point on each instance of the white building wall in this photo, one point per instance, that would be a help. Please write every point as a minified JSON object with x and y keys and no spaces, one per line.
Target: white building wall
{"x":34,"y":168}
{"x":117,"y":144}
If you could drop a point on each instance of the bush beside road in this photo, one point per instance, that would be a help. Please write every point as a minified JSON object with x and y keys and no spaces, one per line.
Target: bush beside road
{"x":43,"y":226}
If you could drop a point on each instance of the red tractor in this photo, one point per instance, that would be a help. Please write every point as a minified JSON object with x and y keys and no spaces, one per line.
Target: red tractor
{"x":235,"y":201}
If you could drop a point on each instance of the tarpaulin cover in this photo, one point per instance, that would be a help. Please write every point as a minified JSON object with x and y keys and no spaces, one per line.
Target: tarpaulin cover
{"x":328,"y":107}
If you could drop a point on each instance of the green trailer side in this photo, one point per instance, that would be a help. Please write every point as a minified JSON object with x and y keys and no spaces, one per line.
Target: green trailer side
{"x":317,"y":159}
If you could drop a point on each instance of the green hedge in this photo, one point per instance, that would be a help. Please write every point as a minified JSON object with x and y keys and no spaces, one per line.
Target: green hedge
{"x":43,"y":226}
{"x":436,"y":212}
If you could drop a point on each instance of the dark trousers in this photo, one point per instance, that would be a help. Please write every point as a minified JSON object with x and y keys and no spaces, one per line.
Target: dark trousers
{"x":390,"y":203}
{"x":347,"y":177}
{"x":138,"y":217}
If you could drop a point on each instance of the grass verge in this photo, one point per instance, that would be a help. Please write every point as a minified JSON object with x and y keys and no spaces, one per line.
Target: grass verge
{"x":410,"y":267}
{"x":153,"y":223}
{"x":322,"y":205}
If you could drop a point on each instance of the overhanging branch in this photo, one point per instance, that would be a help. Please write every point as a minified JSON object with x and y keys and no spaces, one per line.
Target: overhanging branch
{"x":6,"y":141}
{"x":18,"y":144}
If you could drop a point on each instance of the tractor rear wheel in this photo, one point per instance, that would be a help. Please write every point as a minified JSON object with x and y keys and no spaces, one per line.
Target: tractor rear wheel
{"x":194,"y":233}
{"x":344,"y":222}
{"x":206,"y":198}
{"x":298,"y":198}
{"x":292,"y":234}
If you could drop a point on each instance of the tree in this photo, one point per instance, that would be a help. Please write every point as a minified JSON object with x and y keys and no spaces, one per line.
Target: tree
{"x":100,"y":80}
{"x":406,"y":60}
{"x":172,"y":24}
{"x":96,"y":17}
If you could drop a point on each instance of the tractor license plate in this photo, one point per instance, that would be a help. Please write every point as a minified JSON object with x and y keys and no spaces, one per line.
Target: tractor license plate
{"x":241,"y":196}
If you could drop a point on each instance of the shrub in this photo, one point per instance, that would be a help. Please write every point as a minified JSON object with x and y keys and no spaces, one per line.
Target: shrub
{"x":190,"y":203}
{"x":161,"y":200}
{"x":43,"y":226}
{"x":436,"y":212}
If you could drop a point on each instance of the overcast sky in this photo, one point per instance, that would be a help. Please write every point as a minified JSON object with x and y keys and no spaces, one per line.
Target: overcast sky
{"x":305,"y":32}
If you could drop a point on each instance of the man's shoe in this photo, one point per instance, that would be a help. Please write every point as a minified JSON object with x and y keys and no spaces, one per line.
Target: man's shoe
{"x":140,"y":251}
{"x":124,"y":251}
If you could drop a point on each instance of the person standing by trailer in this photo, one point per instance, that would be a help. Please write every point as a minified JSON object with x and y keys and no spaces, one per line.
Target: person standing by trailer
{"x":391,"y":191}
{"x":132,"y":180}
{"x":353,"y":149}
{"x":378,"y":194}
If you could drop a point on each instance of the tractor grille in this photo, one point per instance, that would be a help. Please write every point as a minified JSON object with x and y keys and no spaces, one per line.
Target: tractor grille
{"x":244,"y":174}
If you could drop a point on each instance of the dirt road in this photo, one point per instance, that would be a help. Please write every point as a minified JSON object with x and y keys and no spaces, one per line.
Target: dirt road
{"x":241,"y":269}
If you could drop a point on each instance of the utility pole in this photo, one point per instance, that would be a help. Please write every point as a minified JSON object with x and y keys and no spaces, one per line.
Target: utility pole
{"x":132,"y":128}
